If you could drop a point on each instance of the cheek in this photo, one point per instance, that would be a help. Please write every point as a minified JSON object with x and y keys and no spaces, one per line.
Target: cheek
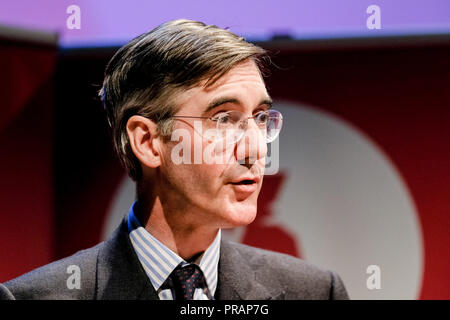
{"x":197,"y":179}
{"x":187,"y":167}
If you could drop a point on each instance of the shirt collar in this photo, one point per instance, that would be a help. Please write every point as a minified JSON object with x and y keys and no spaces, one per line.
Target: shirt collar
{"x":159,"y":261}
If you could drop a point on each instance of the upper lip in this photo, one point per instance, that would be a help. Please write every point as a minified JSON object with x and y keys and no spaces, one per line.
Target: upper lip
{"x":252,"y":178}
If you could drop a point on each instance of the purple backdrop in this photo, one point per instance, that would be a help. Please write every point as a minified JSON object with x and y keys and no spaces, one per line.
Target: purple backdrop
{"x":105,"y":22}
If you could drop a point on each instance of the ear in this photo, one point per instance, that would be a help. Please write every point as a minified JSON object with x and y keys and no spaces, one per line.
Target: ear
{"x":144,"y":140}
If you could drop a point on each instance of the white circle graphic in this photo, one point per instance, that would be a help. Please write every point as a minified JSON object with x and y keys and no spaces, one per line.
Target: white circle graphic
{"x":347,"y":205}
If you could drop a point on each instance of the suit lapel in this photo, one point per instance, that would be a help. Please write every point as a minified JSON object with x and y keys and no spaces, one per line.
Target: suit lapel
{"x":120,"y":275}
{"x":119,"y":272}
{"x":237,"y":280}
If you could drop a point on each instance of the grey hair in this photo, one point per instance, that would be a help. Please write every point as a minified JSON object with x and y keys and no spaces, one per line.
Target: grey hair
{"x":145,"y":75}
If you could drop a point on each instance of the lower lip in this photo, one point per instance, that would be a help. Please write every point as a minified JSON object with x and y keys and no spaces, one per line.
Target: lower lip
{"x":245,"y":188}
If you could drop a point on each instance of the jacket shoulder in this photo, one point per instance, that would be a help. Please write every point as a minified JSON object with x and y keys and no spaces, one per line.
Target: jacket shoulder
{"x":298,"y":278}
{"x":70,"y":278}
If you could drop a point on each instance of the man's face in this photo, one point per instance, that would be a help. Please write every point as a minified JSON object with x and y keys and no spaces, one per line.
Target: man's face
{"x":220,"y":194}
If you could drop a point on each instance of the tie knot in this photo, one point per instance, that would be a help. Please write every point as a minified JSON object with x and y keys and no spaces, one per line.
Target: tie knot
{"x":186,"y":279}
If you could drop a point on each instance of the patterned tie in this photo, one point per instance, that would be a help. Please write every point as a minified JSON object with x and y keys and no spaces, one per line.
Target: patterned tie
{"x":186,"y":279}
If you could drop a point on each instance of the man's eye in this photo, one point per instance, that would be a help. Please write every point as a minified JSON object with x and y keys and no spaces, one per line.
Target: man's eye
{"x":222,"y":117}
{"x":262,"y":116}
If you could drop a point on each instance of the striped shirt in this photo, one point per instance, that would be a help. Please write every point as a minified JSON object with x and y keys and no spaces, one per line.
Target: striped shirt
{"x":159,"y":261}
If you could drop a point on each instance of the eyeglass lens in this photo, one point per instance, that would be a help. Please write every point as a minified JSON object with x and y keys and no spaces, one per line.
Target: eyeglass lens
{"x":233,"y":124}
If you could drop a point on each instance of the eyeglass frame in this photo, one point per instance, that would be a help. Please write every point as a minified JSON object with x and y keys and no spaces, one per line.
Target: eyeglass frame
{"x":246,"y":118}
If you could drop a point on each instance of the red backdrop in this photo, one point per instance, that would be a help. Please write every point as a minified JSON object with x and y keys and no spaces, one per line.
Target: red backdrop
{"x":56,"y":191}
{"x":26,"y":164}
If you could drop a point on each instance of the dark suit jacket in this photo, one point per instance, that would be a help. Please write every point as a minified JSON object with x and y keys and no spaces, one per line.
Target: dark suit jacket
{"x":111,"y":270}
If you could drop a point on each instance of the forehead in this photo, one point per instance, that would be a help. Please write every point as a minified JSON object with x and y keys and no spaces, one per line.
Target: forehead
{"x":243,"y":83}
{"x":241,"y":72}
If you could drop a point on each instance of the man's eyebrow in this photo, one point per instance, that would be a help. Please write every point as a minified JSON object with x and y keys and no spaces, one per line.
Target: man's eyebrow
{"x":267,"y":101}
{"x":222,"y":100}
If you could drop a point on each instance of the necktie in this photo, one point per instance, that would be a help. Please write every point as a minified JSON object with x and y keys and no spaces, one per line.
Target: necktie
{"x":186,"y":279}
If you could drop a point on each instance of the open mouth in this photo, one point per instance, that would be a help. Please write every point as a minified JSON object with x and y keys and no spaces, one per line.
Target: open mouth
{"x":244,"y":182}
{"x":245,"y":187}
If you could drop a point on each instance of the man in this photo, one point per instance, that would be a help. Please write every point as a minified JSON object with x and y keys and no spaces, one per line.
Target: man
{"x":190,"y":117}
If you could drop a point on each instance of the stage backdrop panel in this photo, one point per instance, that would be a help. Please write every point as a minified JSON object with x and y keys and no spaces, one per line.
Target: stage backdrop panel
{"x":27,"y":64}
{"x":363,"y":173}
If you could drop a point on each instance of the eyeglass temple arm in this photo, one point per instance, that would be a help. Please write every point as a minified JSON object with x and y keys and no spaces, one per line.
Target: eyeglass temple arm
{"x":192,"y":117}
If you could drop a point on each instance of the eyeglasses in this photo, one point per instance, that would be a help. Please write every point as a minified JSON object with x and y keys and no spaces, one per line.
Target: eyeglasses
{"x":232,"y":125}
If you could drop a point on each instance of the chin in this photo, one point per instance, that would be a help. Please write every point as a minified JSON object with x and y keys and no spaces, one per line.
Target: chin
{"x":239,"y":214}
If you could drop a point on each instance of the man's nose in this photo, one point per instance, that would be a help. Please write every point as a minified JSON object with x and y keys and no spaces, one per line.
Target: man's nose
{"x":252,"y":145}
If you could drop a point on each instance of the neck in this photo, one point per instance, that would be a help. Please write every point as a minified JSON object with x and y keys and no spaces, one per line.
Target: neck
{"x":176,"y":228}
